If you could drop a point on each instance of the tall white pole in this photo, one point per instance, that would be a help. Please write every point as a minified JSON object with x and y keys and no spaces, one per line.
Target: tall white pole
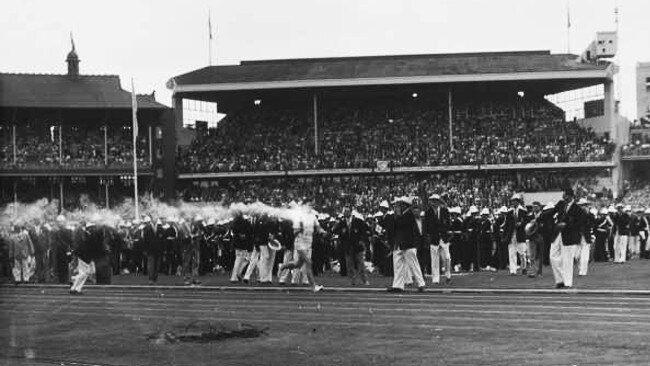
{"x":209,"y":39}
{"x":134,"y":129}
{"x":13,"y":137}
{"x":60,"y":144}
{"x":106,"y":144}
{"x":568,"y":27}
{"x":450,"y":113}
{"x":150,"y":148}
{"x":315,"y":124}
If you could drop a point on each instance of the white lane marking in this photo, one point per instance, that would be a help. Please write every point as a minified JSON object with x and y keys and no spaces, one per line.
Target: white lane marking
{"x":332,"y":322}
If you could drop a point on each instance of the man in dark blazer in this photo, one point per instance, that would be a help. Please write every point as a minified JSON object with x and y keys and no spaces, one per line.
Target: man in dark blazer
{"x":405,"y":261}
{"x":437,"y":222}
{"x":353,"y":237}
{"x":571,"y":222}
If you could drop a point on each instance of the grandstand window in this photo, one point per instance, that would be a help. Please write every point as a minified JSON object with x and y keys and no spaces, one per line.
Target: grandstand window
{"x":647,"y":84}
{"x":257,"y":102}
{"x":414,"y":95}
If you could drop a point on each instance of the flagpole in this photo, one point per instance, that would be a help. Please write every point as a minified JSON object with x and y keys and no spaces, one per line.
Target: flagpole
{"x":134,"y":107}
{"x":209,"y":39}
{"x":568,"y":27}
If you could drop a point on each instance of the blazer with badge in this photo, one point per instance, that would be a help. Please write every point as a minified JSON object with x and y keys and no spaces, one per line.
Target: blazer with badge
{"x":405,"y":231}
{"x":575,"y":220}
{"x":353,"y":236}
{"x":436,"y":225}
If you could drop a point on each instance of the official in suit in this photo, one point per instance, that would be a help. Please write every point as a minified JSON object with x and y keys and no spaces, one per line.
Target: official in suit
{"x":571,"y":222}
{"x":437,"y":224}
{"x":404,"y":252}
{"x":353,"y":236}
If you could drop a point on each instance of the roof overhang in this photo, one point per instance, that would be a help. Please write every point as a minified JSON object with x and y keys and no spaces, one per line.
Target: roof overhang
{"x":602,"y":74}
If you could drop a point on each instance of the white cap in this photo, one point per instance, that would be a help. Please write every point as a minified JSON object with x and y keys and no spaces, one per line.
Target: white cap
{"x":89,"y":224}
{"x":473,"y":209}
{"x":503,"y":209}
{"x":593,"y":211}
{"x":603,"y":211}
{"x":627,"y":208}
{"x":612,"y":209}
{"x":384,"y":204}
{"x":146,"y":219}
{"x":198,"y":218}
{"x":647,"y":211}
{"x":211,"y":221}
{"x":583,"y":201}
{"x":516,"y":196}
{"x":485,"y":211}
{"x":455,"y":210}
{"x":60,"y":218}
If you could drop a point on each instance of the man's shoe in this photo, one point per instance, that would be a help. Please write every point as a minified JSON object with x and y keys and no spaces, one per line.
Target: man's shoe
{"x":448,"y":280}
{"x":246,"y":281}
{"x":421,"y":288}
{"x":317,"y":288}
{"x":394,"y":289}
{"x":367,"y":283}
{"x":560,"y":285}
{"x":532,"y":275}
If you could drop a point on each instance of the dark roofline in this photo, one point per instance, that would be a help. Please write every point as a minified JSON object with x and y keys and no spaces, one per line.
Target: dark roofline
{"x":391,"y":57}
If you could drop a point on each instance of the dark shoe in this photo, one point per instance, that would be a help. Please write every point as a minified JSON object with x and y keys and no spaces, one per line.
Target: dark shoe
{"x":448,"y":280}
{"x":75,"y":292}
{"x":394,"y":289}
{"x":421,"y":288}
{"x":560,"y":285}
{"x":532,"y":275}
{"x":246,"y":281}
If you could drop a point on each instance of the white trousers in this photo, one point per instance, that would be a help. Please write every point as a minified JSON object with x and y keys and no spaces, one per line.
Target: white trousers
{"x":242,"y":257}
{"x":555,"y":257}
{"x":620,"y":248}
{"x":299,"y":275}
{"x":635,"y":245}
{"x":584,"y":253}
{"x":404,"y":261}
{"x":83,"y":271}
{"x":265,"y":264}
{"x":440,"y":253}
{"x":253,"y":265}
{"x":569,"y":255}
{"x":23,"y":269}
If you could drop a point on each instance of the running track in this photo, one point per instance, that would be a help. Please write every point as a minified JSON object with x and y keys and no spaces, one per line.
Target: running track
{"x":503,"y":327}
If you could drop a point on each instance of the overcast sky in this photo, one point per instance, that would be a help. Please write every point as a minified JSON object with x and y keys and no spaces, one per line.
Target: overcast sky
{"x":152,"y":41}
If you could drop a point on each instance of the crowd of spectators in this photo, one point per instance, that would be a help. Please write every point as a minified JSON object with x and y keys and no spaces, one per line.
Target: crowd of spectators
{"x":357,"y":135}
{"x":80,"y":148}
{"x":639,"y":147}
{"x":329,"y":194}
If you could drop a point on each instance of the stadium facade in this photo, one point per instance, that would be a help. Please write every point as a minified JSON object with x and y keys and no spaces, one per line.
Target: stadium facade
{"x":449,"y":81}
{"x":69,"y":134}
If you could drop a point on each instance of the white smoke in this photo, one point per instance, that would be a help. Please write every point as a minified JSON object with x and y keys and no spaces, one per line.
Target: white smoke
{"x":44,"y":211}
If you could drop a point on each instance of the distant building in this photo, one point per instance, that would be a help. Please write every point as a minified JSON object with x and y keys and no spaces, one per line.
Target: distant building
{"x":643,"y":90}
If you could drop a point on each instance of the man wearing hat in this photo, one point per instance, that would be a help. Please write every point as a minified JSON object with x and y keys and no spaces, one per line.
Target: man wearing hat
{"x":455,"y":234}
{"x":635,"y":229}
{"x":571,"y":222}
{"x":517,"y":247}
{"x":405,"y":258}
{"x":471,"y":226}
{"x":353,"y":235}
{"x":622,"y":227}
{"x":644,"y":229}
{"x":601,"y":232}
{"x":535,"y":241}
{"x":89,"y":250}
{"x":585,"y":242}
{"x":436,"y":223}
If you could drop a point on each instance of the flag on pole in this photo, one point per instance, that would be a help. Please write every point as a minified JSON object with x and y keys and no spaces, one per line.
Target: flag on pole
{"x":210,"y":25}
{"x":134,"y":106}
{"x":72,"y":41}
{"x":568,"y":15}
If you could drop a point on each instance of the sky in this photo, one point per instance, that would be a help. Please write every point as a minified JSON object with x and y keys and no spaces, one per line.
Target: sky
{"x":152,"y":41}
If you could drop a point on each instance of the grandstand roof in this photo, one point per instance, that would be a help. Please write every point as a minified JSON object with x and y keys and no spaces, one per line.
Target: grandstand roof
{"x":64,"y":91}
{"x":386,"y":70}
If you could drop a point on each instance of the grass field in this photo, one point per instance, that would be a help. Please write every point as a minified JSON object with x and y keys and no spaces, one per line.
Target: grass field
{"x":108,"y":326}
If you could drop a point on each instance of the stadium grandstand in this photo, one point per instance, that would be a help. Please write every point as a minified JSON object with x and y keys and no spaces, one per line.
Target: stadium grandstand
{"x":477,"y":125}
{"x":69,"y":135}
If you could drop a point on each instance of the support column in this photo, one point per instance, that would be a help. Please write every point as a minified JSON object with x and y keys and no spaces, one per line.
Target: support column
{"x":451,"y":118}
{"x":615,"y":135}
{"x":315,"y":104}
{"x":61,"y":145}
{"x":106,"y":144}
{"x":15,"y":196}
{"x":150,"y":148}
{"x":13,"y":139}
